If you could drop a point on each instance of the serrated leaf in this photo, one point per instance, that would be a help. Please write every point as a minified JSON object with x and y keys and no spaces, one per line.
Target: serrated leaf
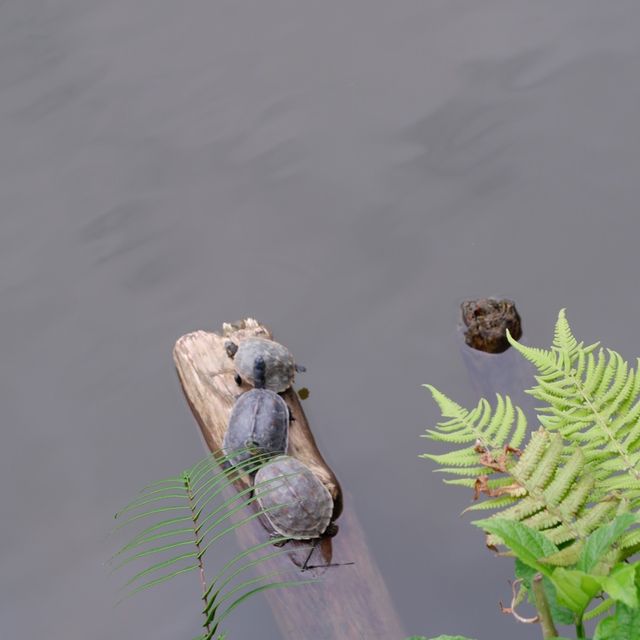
{"x":624,"y":624}
{"x":528,"y":544}
{"x":620,"y":584}
{"x":575,"y":588}
{"x":602,"y":540}
{"x":560,"y":614}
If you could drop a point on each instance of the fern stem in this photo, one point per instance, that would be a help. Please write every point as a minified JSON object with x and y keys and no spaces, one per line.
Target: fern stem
{"x":546,"y":621}
{"x":195,"y":514}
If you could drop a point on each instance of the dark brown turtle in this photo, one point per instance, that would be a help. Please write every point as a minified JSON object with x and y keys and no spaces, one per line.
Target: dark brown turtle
{"x":297,"y":504}
{"x":259,"y":421}
{"x":280,"y":366}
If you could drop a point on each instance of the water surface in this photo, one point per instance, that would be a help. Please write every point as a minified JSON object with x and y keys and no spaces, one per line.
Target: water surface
{"x":346,"y":172}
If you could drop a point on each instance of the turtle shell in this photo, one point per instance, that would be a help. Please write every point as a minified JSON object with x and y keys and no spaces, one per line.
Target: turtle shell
{"x":305,"y":503}
{"x":279,"y":363}
{"x":260,"y":419}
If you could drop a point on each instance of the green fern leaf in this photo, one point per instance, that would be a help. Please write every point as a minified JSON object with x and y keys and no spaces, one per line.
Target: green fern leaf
{"x":593,"y":401}
{"x":546,"y":486}
{"x":529,"y":545}
{"x":598,"y":610}
{"x":187,"y":539}
{"x":489,"y":430}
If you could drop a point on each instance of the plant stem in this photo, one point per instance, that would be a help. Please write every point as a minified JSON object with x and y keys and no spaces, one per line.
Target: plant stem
{"x":580,"y":629}
{"x":546,"y":621}
{"x":196,"y":528}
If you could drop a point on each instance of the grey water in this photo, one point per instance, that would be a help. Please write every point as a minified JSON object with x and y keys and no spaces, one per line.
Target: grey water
{"x":346,"y":172}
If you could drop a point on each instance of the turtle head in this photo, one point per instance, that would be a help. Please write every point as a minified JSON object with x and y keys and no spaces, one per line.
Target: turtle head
{"x":259,"y":373}
{"x":230,"y":348}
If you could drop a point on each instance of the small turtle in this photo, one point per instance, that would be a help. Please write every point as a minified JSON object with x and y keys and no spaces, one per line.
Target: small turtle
{"x":280,"y":367}
{"x":259,"y":420}
{"x":298,"y":505}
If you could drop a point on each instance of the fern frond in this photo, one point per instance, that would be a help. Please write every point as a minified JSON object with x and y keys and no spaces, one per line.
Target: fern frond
{"x":593,"y":400}
{"x":180,"y":543}
{"x":598,"y":610}
{"x":485,"y":427}
{"x":545,"y":486}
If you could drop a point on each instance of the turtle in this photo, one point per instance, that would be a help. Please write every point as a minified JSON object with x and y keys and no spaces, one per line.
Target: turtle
{"x":297,"y":505}
{"x":280,"y":366}
{"x":259,"y":421}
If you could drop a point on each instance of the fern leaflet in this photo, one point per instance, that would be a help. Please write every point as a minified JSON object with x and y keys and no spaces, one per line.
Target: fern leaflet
{"x":183,"y":519}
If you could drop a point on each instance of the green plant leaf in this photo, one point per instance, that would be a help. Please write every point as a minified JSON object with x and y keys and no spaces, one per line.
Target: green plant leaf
{"x":560,"y":614}
{"x":602,"y":540}
{"x":620,"y":584}
{"x":624,"y":624}
{"x":528,"y":544}
{"x":575,"y":588}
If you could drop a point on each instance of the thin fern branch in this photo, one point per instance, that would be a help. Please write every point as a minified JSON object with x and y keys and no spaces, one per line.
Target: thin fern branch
{"x":208,"y":518}
{"x":196,"y":540}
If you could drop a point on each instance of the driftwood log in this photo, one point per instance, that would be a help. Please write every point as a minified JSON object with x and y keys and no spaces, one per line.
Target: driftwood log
{"x":350,"y":602}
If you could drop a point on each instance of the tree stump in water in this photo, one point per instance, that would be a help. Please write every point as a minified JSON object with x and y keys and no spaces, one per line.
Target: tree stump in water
{"x":487,"y":321}
{"x":494,"y":367}
{"x":349,"y":602}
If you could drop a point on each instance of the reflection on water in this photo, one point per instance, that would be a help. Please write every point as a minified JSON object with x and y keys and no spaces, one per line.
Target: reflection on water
{"x":346,"y":174}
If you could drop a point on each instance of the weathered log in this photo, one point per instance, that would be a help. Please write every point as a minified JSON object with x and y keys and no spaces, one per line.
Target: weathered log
{"x":350,"y":602}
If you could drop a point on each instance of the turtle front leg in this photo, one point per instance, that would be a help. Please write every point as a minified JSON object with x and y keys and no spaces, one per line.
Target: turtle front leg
{"x":277,"y":541}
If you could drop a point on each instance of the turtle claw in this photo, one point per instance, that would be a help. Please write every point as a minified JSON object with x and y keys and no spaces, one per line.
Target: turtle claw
{"x":305,"y":565}
{"x":299,"y":368}
{"x":277,"y":540}
{"x":310,"y":567}
{"x":238,"y":380}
